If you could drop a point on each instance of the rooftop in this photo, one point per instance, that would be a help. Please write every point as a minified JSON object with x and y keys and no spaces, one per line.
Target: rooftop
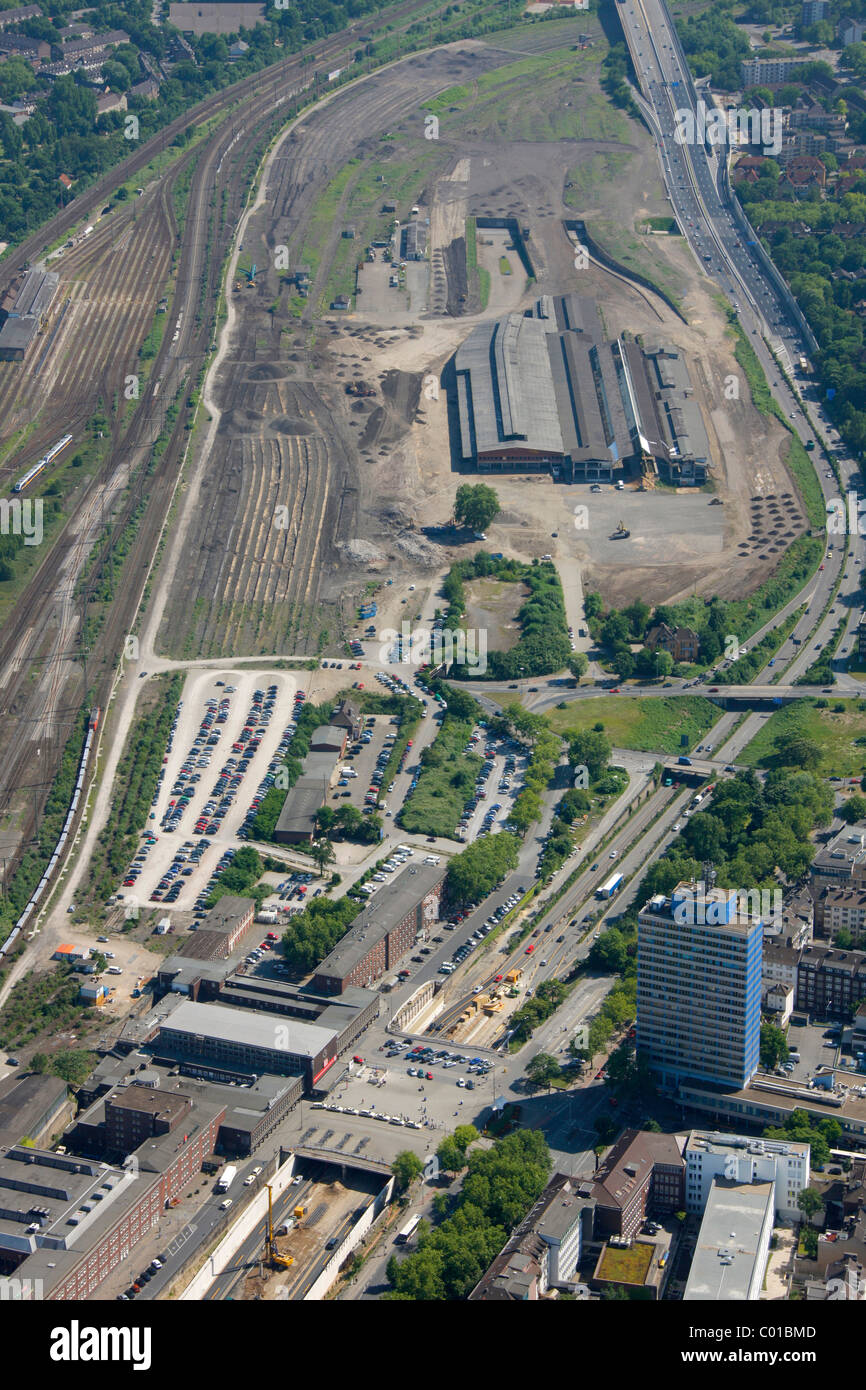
{"x":390,"y":905}
{"x":729,"y":1243}
{"x":249,"y":1029}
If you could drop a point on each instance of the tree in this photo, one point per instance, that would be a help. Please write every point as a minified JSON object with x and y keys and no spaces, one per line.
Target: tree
{"x":322,"y":853}
{"x":450,"y":1155}
{"x":406,"y":1167}
{"x":577,"y":664}
{"x":774,"y":1046}
{"x":809,"y":1202}
{"x":475,"y":505}
{"x":610,"y":952}
{"x":853,"y":809}
{"x":663,"y":662}
{"x":327,"y":818}
{"x":795,"y":750}
{"x":464,"y":1135}
{"x":543,"y":1070}
{"x":590,"y":750}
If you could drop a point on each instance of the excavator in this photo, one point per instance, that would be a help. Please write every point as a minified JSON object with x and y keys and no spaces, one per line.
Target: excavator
{"x":277,"y":1260}
{"x":621,"y":533}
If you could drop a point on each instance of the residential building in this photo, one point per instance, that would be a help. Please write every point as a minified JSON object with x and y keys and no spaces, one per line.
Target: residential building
{"x":762,"y":72}
{"x":347,"y":715}
{"x":545,"y":1250}
{"x":642,"y":1175}
{"x":842,"y":861}
{"x":851,"y":31}
{"x":19,"y":14}
{"x":843,"y":909}
{"x":830,"y":982}
{"x":699,"y":987}
{"x":804,"y":172}
{"x":682,"y":643}
{"x":733,"y":1244}
{"x":814,"y":11}
{"x":779,"y":965}
{"x":385,"y":931}
{"x":710,"y":1155}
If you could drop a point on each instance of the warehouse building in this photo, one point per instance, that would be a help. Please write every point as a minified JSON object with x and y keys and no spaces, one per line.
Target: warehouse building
{"x":545,"y":391}
{"x":383,"y":933}
{"x":249,"y":1040}
{"x":23,"y":312}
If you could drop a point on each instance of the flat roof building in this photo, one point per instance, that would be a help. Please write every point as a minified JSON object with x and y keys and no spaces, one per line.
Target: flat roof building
{"x":710,"y":1155}
{"x":733,"y":1244}
{"x":546,"y":391}
{"x":386,"y":929}
{"x":699,"y":987}
{"x":250,"y":1039}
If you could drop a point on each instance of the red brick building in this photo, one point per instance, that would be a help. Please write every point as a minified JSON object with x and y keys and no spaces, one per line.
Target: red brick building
{"x":643,"y":1175}
{"x":385,"y":931}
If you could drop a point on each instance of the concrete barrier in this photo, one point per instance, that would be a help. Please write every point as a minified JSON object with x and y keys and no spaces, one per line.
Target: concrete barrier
{"x":221,"y":1257}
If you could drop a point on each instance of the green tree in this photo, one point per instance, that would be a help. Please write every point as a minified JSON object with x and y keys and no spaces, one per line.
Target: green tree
{"x":475,"y":505}
{"x":809,"y":1201}
{"x":406,"y":1167}
{"x":853,"y":809}
{"x":663,"y":662}
{"x":322,"y":853}
{"x":578,"y":663}
{"x":451,"y":1155}
{"x":774,"y":1046}
{"x":543,"y":1070}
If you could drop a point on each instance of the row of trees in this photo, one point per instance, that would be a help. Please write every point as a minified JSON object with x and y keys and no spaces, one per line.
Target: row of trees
{"x":314,"y":932}
{"x":481,"y":867}
{"x":544,"y":645}
{"x":749,"y":832}
{"x":500,"y":1186}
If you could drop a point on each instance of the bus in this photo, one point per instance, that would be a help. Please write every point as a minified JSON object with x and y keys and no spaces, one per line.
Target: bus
{"x":608,"y":889}
{"x":407,"y":1232}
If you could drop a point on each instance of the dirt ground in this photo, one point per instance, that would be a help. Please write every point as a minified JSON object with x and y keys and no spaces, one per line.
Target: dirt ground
{"x":361,"y":483}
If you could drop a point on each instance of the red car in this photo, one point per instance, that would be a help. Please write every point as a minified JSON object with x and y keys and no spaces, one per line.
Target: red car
{"x":429,"y":1075}
{"x":714,"y":690}
{"x":358,"y":1059}
{"x":529,"y":950}
{"x":614,"y":690}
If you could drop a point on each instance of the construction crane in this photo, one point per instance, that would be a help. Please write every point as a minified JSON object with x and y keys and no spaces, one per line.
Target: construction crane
{"x":277,"y":1260}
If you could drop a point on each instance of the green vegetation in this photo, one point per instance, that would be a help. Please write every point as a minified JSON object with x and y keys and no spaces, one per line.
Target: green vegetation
{"x":750,"y":831}
{"x":40,"y":1003}
{"x":134,"y":785}
{"x":774,"y":1046}
{"x":715,"y":45}
{"x":446,"y":781}
{"x":241,"y":878}
{"x":406,"y":1167}
{"x":35,"y":859}
{"x":314,"y":933}
{"x":544,"y":645}
{"x":712,"y":620}
{"x":832,"y":741}
{"x":821,"y":1134}
{"x":500,"y":1186}
{"x":662,"y":224}
{"x":649,"y":724}
{"x":475,"y":505}
{"x":479,"y":868}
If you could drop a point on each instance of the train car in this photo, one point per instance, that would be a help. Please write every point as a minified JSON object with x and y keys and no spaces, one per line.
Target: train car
{"x":94,"y":718}
{"x":46,"y":459}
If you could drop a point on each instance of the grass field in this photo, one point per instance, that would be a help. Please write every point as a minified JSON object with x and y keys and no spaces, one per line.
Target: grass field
{"x":627,"y":1266}
{"x":445,"y":784}
{"x":841,"y":736}
{"x":646,"y":724}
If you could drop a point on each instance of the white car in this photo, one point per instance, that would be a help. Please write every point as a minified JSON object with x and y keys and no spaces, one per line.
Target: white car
{"x":678,"y":826}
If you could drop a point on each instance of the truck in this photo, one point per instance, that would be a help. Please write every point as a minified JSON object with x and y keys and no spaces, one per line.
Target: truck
{"x":612,"y":886}
{"x":226,"y":1178}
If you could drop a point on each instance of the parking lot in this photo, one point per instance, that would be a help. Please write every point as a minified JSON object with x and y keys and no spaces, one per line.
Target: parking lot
{"x":229,"y":736}
{"x":499,"y":782}
{"x":408,"y":1093}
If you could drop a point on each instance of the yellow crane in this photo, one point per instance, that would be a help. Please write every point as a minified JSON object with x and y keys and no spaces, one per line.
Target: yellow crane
{"x":273,"y":1254}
